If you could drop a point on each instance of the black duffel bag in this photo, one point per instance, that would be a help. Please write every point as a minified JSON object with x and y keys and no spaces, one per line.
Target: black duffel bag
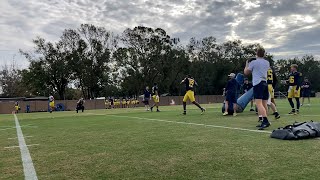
{"x":297,"y":131}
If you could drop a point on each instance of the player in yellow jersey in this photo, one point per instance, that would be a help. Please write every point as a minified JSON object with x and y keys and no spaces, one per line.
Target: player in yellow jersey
{"x":190,"y":83}
{"x":16,"y":107}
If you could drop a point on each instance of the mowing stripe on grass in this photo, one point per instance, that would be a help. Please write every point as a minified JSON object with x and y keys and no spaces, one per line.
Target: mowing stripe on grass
{"x":196,"y":124}
{"x":9,"y":147}
{"x":28,"y":168}
{"x":24,"y":136}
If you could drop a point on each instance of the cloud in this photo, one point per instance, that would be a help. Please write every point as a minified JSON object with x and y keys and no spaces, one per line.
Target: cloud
{"x":286,"y":28}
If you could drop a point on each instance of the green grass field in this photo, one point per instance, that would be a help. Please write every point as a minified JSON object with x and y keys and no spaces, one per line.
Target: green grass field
{"x":134,"y":144}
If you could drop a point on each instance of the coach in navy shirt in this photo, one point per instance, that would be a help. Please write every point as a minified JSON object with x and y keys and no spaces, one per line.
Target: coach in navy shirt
{"x":259,"y":69}
{"x":146,"y":98}
{"x":231,"y":94}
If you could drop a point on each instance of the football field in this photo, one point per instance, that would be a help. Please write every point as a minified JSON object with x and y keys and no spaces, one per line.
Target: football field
{"x":135,"y":144}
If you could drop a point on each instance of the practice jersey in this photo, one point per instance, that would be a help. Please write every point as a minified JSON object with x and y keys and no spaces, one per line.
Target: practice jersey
{"x":294,"y":79}
{"x":146,"y":94}
{"x":247,"y":87}
{"x":272,"y":78}
{"x":306,"y":86}
{"x":80,"y":102}
{"x":155,"y":90}
{"x":190,"y":83}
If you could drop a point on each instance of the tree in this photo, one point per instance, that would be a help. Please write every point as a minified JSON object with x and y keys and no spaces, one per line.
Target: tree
{"x":149,"y":55}
{"x":49,"y":65}
{"x":11,"y":82}
{"x":91,"y":48}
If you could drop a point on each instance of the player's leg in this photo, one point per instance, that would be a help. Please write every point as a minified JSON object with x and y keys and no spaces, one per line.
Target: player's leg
{"x":154,"y":102}
{"x":297,"y":97}
{"x":226,"y":107}
{"x":193,"y":100}
{"x":275,"y":111}
{"x":184,"y":103}
{"x":251,"y":109}
{"x":290,"y":96}
{"x":234,"y":109}
{"x":157,"y":103}
{"x":261,"y":95}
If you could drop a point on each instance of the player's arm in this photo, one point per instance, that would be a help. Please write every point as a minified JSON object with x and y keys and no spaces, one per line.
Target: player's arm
{"x":183,"y":80}
{"x":299,"y":81}
{"x":275,"y":79}
{"x":195,"y":83}
{"x":248,"y":69}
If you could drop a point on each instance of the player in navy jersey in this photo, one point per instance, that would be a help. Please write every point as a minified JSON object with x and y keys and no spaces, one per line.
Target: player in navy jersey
{"x":294,"y":88}
{"x":190,"y":83}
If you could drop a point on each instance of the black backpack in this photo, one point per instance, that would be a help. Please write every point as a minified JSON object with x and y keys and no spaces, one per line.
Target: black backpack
{"x":297,"y":131}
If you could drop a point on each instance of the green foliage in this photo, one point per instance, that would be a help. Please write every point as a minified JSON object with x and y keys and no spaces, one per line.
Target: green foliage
{"x":307,"y":65}
{"x":97,"y":63}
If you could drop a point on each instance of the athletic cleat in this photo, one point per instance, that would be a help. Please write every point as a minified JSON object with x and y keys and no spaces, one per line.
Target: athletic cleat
{"x":259,"y":125}
{"x":203,"y":110}
{"x":184,"y":113}
{"x":292,"y":112}
{"x":264,"y":125}
{"x":277,"y":116}
{"x":158,"y":110}
{"x":251,"y":110}
{"x":297,"y":112}
{"x":151,"y":109}
{"x":225,"y":114}
{"x":234,"y":114}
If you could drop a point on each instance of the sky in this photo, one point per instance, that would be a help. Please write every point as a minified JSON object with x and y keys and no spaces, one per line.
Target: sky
{"x":286,"y":28}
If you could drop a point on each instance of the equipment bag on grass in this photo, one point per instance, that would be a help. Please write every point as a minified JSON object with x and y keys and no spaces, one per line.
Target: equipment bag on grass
{"x":297,"y":131}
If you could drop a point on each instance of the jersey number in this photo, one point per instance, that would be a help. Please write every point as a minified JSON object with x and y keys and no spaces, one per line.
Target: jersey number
{"x":270,"y":75}
{"x":191,"y":83}
{"x":291,"y":79}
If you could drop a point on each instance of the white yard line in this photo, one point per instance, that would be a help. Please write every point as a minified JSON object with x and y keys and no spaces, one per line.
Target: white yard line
{"x":195,"y":124}
{"x":28,"y":168}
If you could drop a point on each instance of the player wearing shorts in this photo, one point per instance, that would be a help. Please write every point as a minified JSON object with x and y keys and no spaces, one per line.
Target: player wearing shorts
{"x":190,"y":83}
{"x":294,"y":88}
{"x":259,"y":69}
{"x":306,"y":90}
{"x":155,"y":97}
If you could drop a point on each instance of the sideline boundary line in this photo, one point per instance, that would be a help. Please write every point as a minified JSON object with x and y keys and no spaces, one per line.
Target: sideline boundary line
{"x":195,"y":124}
{"x":28,"y":167}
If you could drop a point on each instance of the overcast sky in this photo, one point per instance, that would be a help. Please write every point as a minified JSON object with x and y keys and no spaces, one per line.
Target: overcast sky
{"x":286,"y":28}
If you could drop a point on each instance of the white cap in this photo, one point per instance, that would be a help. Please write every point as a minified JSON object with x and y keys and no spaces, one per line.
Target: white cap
{"x":232,"y":75}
